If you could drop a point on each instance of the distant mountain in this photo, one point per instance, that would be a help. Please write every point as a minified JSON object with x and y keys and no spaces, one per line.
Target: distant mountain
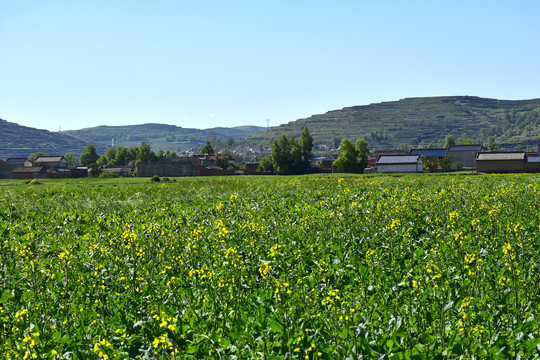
{"x":420,"y":122}
{"x":17,"y":141}
{"x":159,"y":136}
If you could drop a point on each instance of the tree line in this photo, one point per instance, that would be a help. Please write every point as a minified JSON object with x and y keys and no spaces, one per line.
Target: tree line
{"x":292,"y":156}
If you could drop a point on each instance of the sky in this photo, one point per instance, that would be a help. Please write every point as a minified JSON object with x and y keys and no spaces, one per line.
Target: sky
{"x":68,"y":64}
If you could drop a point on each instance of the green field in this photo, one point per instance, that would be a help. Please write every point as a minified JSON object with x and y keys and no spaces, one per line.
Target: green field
{"x":307,"y":267}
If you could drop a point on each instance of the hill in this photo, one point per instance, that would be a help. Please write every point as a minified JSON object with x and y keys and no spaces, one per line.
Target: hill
{"x":420,"y":122}
{"x":17,"y":140}
{"x":159,"y":136}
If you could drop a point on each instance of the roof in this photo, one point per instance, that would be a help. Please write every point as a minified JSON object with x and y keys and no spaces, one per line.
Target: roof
{"x":505,"y":156}
{"x":429,"y":152}
{"x":27,"y":169}
{"x":533,"y":159}
{"x":397,"y":159}
{"x":475,"y":147}
{"x":47,"y":159}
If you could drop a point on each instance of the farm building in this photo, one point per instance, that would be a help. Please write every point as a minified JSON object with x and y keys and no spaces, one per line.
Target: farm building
{"x":28,"y":172}
{"x":400,"y":164}
{"x":52,"y":162}
{"x":464,"y":156}
{"x":532,"y":163}
{"x":500,"y":162}
{"x":433,"y":155}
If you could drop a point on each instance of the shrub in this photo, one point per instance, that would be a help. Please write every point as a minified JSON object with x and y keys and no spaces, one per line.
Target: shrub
{"x":155,"y":178}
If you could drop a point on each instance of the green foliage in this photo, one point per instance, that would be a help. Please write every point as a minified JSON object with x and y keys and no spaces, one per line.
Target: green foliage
{"x":445,"y":163}
{"x":348,"y":156}
{"x":72,"y":161}
{"x":449,"y":141}
{"x":291,"y":156}
{"x":145,"y":153}
{"x":89,"y":155}
{"x":266,"y":164}
{"x":207,"y":149}
{"x":363,"y":153}
{"x":420,"y":122}
{"x":155,"y":178}
{"x":34,"y":156}
{"x":271,"y":267}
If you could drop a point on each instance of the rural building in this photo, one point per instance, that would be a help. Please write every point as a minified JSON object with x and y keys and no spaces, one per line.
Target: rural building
{"x":500,"y":162}
{"x":11,"y":164}
{"x":28,"y":172}
{"x":80,"y":172}
{"x":463,"y":156}
{"x":179,"y":166}
{"x":380,"y":153}
{"x":400,"y":164}
{"x":52,"y":162}
{"x":433,"y":155}
{"x":121,"y":171}
{"x":532,"y":163}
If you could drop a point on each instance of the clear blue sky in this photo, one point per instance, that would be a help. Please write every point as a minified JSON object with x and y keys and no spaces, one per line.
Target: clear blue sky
{"x":76,"y":64}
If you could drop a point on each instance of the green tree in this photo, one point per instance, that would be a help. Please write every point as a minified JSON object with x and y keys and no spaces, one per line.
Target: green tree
{"x":34,"y":156}
{"x":89,"y":155}
{"x":363,"y":153}
{"x":446,"y":163}
{"x":207,"y":149}
{"x":266,"y":164}
{"x":449,"y":141}
{"x":347,"y":158}
{"x":72,"y":161}
{"x":145,"y":153}
{"x":124,"y":155}
{"x":281,"y":155}
{"x":108,"y":159}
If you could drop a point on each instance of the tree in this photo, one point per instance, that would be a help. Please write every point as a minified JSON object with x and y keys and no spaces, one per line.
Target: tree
{"x":363,"y":153}
{"x":207,"y":149}
{"x":281,"y":155}
{"x":446,"y":163}
{"x":449,"y":141}
{"x":348,"y":155}
{"x":266,"y":164}
{"x":72,"y":161}
{"x":89,"y":155}
{"x":145,"y":153}
{"x":124,"y":155}
{"x":108,"y":159}
{"x":34,"y":156}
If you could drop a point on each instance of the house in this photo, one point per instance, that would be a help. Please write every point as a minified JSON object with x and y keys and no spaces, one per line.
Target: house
{"x":532,"y":163}
{"x":29,"y":172}
{"x":179,"y":166}
{"x":380,"y":153}
{"x":433,"y":155}
{"x":52,"y":162}
{"x":11,"y":164}
{"x":464,"y":156}
{"x":400,"y":164}
{"x":121,"y":171}
{"x":80,"y":172}
{"x":500,"y":162}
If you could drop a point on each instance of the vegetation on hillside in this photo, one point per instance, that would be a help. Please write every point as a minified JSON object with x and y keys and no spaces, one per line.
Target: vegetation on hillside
{"x":421,"y":122}
{"x":161,"y":136}
{"x":21,"y":141}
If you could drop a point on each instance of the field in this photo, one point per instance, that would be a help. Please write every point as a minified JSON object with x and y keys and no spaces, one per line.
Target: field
{"x":401,"y":267}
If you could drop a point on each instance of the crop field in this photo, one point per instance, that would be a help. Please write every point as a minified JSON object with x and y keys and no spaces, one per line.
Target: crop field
{"x":307,"y":267}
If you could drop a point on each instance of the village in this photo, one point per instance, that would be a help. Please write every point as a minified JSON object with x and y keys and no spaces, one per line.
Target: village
{"x":473,"y":157}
